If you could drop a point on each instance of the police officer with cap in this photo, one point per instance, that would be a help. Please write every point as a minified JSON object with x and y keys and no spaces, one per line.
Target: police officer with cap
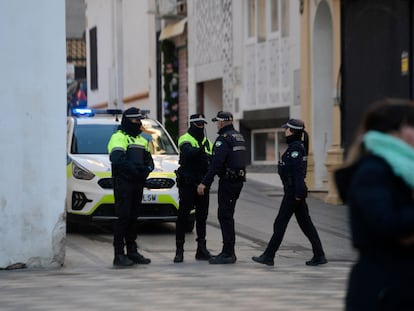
{"x":229,"y":163}
{"x":292,"y":170}
{"x":131,"y":164}
{"x":195,"y":156}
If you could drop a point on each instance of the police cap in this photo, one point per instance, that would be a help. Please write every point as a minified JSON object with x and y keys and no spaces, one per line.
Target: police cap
{"x":223,"y":116}
{"x":198,"y":118}
{"x":295,"y":124}
{"x":133,"y":113}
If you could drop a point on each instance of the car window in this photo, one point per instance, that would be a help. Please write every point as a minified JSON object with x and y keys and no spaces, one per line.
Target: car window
{"x":94,"y":138}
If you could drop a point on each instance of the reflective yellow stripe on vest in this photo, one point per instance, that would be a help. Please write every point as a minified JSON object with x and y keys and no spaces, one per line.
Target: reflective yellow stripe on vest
{"x":187,"y":138}
{"x":121,"y":141}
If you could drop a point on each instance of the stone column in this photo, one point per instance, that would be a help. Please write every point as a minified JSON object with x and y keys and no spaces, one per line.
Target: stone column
{"x":334,"y":157}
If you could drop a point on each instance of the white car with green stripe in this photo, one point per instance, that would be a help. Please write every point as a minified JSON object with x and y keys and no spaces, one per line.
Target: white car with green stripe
{"x":89,"y":184}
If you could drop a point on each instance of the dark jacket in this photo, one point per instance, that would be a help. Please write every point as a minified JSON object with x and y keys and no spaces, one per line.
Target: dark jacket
{"x":229,"y":153}
{"x":292,"y":170}
{"x":195,"y":157}
{"x":130,"y":157}
{"x":381,"y":214}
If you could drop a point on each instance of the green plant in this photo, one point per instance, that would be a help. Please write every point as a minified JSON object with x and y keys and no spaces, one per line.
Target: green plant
{"x":170,"y":76}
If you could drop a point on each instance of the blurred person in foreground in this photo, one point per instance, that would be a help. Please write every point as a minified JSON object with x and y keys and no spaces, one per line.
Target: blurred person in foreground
{"x":377,"y":184}
{"x":292,"y":170}
{"x":195,"y":156}
{"x":229,"y":163}
{"x":131,"y":163}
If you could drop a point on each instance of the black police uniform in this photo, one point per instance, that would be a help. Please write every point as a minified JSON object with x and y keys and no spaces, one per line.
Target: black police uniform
{"x":195,"y":156}
{"x":292,"y":171}
{"x":229,"y":163}
{"x":131,"y":163}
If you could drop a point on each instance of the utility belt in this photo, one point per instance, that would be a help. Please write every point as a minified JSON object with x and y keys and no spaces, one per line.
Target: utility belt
{"x":234,"y":175}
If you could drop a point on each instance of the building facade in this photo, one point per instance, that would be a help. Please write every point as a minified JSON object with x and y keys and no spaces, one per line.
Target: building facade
{"x":267,"y":61}
{"x":121,"y":54}
{"x":244,"y":57}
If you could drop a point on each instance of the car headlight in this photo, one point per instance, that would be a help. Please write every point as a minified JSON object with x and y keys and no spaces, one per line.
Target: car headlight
{"x":79,"y":172}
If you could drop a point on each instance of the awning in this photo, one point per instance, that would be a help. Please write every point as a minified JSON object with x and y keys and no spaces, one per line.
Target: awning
{"x":173,"y":30}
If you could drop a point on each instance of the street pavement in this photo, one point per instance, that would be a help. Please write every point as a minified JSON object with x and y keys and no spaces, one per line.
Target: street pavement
{"x":88,"y":281}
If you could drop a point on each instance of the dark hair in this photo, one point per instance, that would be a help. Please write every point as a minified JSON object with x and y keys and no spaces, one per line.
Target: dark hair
{"x":388,"y":115}
{"x":305,"y":140}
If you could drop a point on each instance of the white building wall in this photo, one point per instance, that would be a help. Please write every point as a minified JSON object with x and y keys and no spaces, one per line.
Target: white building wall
{"x":33,"y":135}
{"x":126,"y":52}
{"x":75,"y":18}
{"x":154,"y":25}
{"x":294,"y":60}
{"x":98,"y":14}
{"x":210,"y":46}
{"x":136,"y":48}
{"x":269,"y":66}
{"x":256,"y":75}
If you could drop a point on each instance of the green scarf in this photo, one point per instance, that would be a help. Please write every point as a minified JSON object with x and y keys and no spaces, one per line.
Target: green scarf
{"x":397,"y":153}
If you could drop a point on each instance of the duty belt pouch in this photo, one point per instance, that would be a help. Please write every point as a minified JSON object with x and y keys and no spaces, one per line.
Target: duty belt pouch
{"x":183,"y":180}
{"x":235,"y":175}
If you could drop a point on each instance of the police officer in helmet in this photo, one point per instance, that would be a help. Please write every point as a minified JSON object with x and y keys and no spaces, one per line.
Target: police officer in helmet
{"x":229,"y":163}
{"x":195,"y":156}
{"x":292,"y":170}
{"x":131,"y":164}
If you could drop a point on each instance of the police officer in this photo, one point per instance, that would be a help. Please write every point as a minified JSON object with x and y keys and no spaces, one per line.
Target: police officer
{"x":131,"y":164}
{"x":195,"y":155}
{"x":229,"y":163}
{"x":292,"y":171}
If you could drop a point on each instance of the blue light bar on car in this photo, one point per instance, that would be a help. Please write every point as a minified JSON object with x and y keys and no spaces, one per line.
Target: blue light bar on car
{"x":83,"y":112}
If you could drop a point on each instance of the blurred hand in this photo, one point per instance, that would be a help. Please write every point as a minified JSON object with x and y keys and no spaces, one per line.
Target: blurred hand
{"x":200,"y":189}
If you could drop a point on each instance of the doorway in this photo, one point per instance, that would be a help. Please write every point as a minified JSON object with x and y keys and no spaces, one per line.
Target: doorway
{"x":322,"y":87}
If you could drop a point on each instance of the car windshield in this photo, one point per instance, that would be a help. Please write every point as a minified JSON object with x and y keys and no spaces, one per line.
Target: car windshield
{"x":94,"y":138}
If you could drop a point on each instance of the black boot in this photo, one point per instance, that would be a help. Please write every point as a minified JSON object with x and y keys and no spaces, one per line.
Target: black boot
{"x":138,"y":258}
{"x":135,"y":256}
{"x":202,"y":252}
{"x":264,"y":259}
{"x":317,"y":260}
{"x":179,"y":252}
{"x":222,"y":258}
{"x":227,"y":255}
{"x":120,"y":260}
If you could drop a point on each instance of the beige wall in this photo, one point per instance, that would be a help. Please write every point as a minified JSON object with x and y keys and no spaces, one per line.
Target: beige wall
{"x":334,"y":154}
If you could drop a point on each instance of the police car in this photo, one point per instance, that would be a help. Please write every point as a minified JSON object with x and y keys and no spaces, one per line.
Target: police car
{"x":89,"y":183}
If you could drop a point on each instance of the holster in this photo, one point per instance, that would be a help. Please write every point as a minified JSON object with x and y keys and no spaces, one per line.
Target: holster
{"x":183,"y":180}
{"x":235,"y":175}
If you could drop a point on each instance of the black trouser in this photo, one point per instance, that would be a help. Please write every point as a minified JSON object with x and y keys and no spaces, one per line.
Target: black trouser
{"x":128,"y":197}
{"x":189,"y":199}
{"x":289,"y":207}
{"x":228,"y":193}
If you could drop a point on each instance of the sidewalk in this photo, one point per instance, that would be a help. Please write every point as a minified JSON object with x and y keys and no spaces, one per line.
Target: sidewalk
{"x":88,"y":282}
{"x":271,"y":179}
